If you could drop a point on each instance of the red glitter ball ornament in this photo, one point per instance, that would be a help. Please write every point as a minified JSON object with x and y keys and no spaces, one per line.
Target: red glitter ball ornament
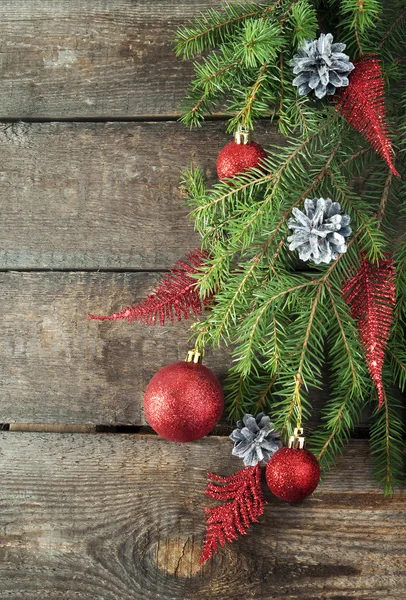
{"x":292,"y":474}
{"x":183,"y":401}
{"x":239,"y":155}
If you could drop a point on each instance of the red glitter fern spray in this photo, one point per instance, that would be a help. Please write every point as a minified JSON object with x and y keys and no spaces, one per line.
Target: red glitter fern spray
{"x":371,"y":295}
{"x":175,"y":296}
{"x":244,"y":504}
{"x":362,"y":103}
{"x":255,"y":440}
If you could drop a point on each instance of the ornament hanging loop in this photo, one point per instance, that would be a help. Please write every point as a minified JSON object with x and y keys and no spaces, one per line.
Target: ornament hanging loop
{"x":297,"y":440}
{"x":194,"y":356}
{"x":242,"y":135}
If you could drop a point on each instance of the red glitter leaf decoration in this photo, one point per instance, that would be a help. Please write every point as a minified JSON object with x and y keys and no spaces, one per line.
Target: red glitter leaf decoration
{"x":362,"y":103}
{"x":244,"y":504}
{"x":175,"y":296}
{"x":371,"y":295}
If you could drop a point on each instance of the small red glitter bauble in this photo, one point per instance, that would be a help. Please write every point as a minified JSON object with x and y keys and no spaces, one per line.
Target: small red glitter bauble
{"x":236,"y":158}
{"x":292,"y":474}
{"x":183,"y":401}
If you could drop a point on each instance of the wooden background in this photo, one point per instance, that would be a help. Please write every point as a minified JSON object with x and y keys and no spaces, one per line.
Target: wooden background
{"x":91,"y":505}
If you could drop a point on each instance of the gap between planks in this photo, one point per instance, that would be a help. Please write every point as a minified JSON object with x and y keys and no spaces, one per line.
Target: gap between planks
{"x":222,"y":430}
{"x":114,"y":119}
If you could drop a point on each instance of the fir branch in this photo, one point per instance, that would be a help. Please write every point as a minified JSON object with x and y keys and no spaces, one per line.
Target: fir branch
{"x":261,"y":402}
{"x":282,"y":86}
{"x":387,"y":445}
{"x":348,"y":351}
{"x":303,"y":21}
{"x":213,"y":27}
{"x":259,"y":41}
{"x":372,"y":241}
{"x":359,"y":20}
{"x":385,"y":195}
{"x":247,"y":393}
{"x":296,"y":407}
{"x":401,"y":17}
{"x":397,"y":357}
{"x":244,"y":115}
{"x":342,"y":414}
{"x":246,"y":351}
{"x":230,"y":312}
{"x":223,"y":194}
{"x":246,"y":231}
{"x":349,"y":383}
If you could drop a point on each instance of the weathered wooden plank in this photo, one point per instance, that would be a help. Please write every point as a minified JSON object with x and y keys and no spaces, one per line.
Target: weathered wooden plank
{"x":52,"y":428}
{"x":69,"y":58}
{"x":121,"y":517}
{"x":58,"y":366}
{"x":77,"y":195}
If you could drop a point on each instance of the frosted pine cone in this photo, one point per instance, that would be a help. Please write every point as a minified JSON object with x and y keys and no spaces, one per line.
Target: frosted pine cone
{"x":255,"y":439}
{"x":320,"y":232}
{"x":321,"y":67}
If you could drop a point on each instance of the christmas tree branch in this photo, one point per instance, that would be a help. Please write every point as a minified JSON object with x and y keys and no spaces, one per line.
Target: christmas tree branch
{"x":283,"y":324}
{"x":247,"y":230}
{"x":212,"y":28}
{"x":387,"y":444}
{"x":373,"y":241}
{"x":349,"y":354}
{"x":401,"y":16}
{"x":295,"y":411}
{"x":359,"y":20}
{"x":318,"y":179}
{"x":335,"y":427}
{"x":223,"y":324}
{"x":260,"y":404}
{"x":349,"y":383}
{"x":222,"y":193}
{"x":385,"y":195}
{"x":399,"y":367}
{"x":243,"y":116}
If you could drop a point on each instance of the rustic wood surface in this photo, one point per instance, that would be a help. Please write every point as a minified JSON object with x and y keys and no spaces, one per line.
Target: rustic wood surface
{"x":105,"y":58}
{"x":91,"y":215}
{"x":60,"y":367}
{"x":100,"y":196}
{"x":121,"y":517}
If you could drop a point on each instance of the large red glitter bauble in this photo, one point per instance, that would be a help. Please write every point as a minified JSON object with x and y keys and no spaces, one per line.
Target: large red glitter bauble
{"x":183,"y":401}
{"x":236,"y":158}
{"x":292,"y":474}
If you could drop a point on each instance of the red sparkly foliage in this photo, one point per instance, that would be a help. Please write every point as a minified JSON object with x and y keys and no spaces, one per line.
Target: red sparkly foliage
{"x":362,"y":103}
{"x":175,"y":296}
{"x":244,"y":504}
{"x":371,"y":295}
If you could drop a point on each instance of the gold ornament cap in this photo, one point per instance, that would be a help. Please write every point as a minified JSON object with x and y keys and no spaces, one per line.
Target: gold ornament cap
{"x":242,"y":135}
{"x":194,"y":356}
{"x":297,"y":440}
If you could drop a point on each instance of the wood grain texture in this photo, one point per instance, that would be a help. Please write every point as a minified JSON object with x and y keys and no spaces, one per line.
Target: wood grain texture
{"x":69,"y":58}
{"x":100,"y":196}
{"x":58,"y":366}
{"x":121,"y":517}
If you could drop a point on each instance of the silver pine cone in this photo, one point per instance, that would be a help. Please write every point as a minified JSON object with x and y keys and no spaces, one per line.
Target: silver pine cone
{"x":320,"y":232}
{"x":255,"y":439}
{"x":321,"y":67}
